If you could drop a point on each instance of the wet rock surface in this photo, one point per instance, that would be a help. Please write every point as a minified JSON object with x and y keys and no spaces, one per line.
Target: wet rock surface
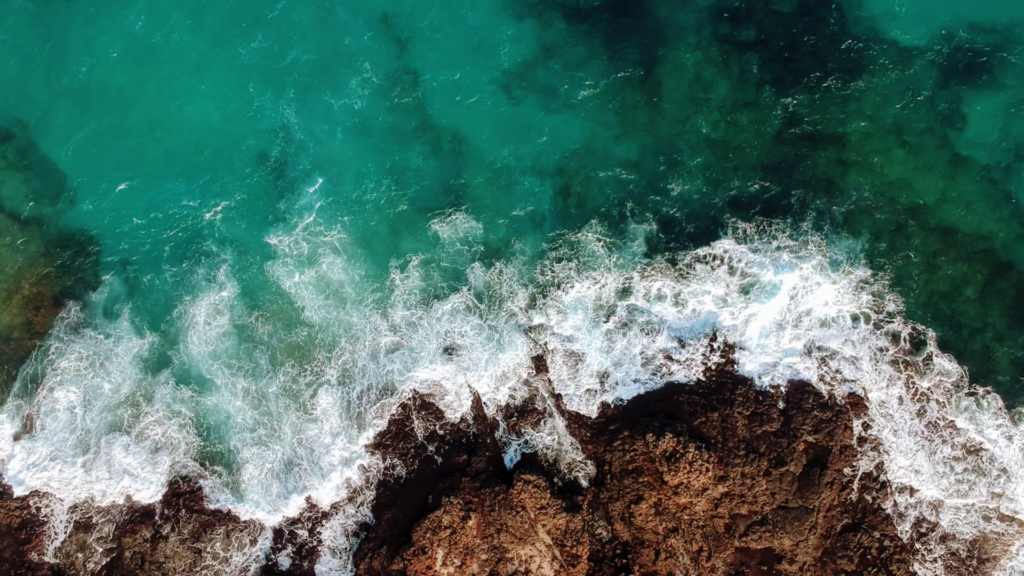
{"x":711,"y":478}
{"x":22,"y":535}
{"x":180,"y":534}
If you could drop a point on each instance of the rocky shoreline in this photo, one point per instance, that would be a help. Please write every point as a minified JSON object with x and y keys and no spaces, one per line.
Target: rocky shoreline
{"x":711,"y":478}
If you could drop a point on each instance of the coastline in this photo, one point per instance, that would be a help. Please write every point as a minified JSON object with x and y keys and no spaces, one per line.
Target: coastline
{"x":648,"y":288}
{"x":712,"y":477}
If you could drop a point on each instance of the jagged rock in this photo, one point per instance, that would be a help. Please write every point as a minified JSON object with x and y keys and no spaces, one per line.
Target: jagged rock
{"x":23,"y":535}
{"x":716,"y":477}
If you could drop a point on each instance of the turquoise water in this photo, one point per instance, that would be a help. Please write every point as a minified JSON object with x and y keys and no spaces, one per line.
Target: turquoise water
{"x":299,"y":205}
{"x":195,"y":128}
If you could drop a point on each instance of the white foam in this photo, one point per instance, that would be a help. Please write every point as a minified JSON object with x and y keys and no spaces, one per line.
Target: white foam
{"x":294,"y":402}
{"x":796,"y":310}
{"x":101,"y":428}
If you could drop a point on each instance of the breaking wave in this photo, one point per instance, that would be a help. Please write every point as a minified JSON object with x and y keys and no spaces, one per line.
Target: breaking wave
{"x":274,"y":403}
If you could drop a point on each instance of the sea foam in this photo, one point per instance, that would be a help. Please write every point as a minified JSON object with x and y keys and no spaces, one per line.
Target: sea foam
{"x":271,"y":404}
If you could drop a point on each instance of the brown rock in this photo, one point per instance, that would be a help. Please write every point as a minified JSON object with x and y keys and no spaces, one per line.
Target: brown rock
{"x":42,"y":264}
{"x":711,"y":478}
{"x":22,"y":535}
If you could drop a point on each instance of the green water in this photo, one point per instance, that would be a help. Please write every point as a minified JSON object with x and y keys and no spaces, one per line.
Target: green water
{"x":196,"y":135}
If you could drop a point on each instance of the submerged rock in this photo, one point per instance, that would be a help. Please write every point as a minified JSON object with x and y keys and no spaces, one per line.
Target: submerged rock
{"x":42,"y":263}
{"x":32,"y":187}
{"x":23,"y":535}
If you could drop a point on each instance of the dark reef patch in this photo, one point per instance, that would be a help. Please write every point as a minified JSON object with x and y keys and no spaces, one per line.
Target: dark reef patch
{"x":804,"y":111}
{"x":43,"y":264}
{"x":799,"y":43}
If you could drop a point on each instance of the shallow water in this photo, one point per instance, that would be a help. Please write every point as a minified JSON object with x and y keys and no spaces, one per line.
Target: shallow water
{"x":304,"y":208}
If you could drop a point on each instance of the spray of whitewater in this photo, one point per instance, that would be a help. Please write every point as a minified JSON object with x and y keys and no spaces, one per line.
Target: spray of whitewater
{"x":272,"y":405}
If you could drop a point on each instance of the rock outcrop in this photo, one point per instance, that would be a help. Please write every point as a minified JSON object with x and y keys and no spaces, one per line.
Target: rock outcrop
{"x":711,"y":478}
{"x":716,"y":477}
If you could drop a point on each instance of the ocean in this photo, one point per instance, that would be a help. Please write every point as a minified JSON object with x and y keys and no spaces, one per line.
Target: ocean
{"x":285,"y":216}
